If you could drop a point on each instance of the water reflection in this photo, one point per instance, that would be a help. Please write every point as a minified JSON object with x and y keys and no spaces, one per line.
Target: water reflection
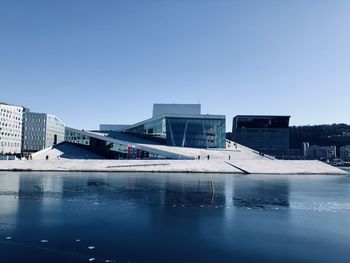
{"x":163,"y":190}
{"x":261,"y":194}
{"x":164,"y":217}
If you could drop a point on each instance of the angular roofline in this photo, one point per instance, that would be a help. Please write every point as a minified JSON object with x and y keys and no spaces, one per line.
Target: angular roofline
{"x":52,"y":115}
{"x":188,"y":116}
{"x":147,"y":148}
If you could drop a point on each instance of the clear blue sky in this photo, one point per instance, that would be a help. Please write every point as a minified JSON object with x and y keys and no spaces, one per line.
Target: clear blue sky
{"x":92,"y":62}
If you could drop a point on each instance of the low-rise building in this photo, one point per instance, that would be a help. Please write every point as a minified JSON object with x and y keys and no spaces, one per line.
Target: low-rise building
{"x":345,"y":153}
{"x":321,"y":152}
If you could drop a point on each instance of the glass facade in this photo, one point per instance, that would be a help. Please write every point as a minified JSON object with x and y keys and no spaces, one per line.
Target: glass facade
{"x":195,"y":132}
{"x":266,"y":134}
{"x":155,"y":129}
{"x":106,"y":148}
{"x":261,"y":122}
{"x":41,"y":130}
{"x":185,"y":132}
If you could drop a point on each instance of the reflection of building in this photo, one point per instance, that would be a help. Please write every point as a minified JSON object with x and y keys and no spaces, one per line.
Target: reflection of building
{"x":10,"y":129}
{"x":170,"y":125}
{"x":345,"y":153}
{"x":261,"y":193}
{"x":321,"y":152}
{"x":41,"y":130}
{"x":267,"y":134}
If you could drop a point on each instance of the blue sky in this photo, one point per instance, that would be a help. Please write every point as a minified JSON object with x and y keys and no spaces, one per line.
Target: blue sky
{"x":92,"y":62}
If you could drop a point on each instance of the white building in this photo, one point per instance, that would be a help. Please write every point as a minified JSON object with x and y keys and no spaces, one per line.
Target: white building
{"x":41,"y":130}
{"x":304,"y":149}
{"x":10,"y":129}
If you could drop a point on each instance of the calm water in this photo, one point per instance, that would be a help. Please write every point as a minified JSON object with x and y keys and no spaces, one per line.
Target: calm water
{"x":56,"y":217}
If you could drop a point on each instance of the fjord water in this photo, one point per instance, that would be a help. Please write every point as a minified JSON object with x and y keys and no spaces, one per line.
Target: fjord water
{"x":142,"y":217}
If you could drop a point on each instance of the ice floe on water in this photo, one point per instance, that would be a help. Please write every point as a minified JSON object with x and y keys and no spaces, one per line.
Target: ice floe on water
{"x":320,"y":206}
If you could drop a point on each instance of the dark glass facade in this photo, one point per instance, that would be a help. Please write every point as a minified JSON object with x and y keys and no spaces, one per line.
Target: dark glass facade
{"x":267,"y":134}
{"x":200,"y":132}
{"x":262,"y":122}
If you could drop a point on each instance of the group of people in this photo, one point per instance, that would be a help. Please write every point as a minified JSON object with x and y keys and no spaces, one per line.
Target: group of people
{"x":208,"y":157}
{"x":199,"y":157}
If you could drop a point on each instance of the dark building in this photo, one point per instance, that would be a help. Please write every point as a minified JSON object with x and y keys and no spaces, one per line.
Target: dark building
{"x":266,"y":134}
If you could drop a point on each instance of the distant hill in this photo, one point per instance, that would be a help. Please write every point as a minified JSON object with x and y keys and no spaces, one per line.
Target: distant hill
{"x":322,"y":135}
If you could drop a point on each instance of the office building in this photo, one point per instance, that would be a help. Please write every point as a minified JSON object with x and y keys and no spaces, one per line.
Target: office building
{"x":266,"y":134}
{"x":304,"y":149}
{"x":321,"y":152}
{"x":10,"y":129}
{"x":41,"y":130}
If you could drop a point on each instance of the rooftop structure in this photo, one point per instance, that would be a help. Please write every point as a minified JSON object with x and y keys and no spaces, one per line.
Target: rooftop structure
{"x":182,"y":109}
{"x":113,"y":127}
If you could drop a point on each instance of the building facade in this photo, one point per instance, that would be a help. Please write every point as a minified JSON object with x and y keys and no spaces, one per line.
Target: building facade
{"x":321,"y":152}
{"x":117,"y":146}
{"x":174,"y":125}
{"x":196,"y":131}
{"x":266,"y":134}
{"x":345,"y":153}
{"x":41,"y":130}
{"x":182,"y":125}
{"x":304,"y":149}
{"x":10,"y":129}
{"x":55,"y":130}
